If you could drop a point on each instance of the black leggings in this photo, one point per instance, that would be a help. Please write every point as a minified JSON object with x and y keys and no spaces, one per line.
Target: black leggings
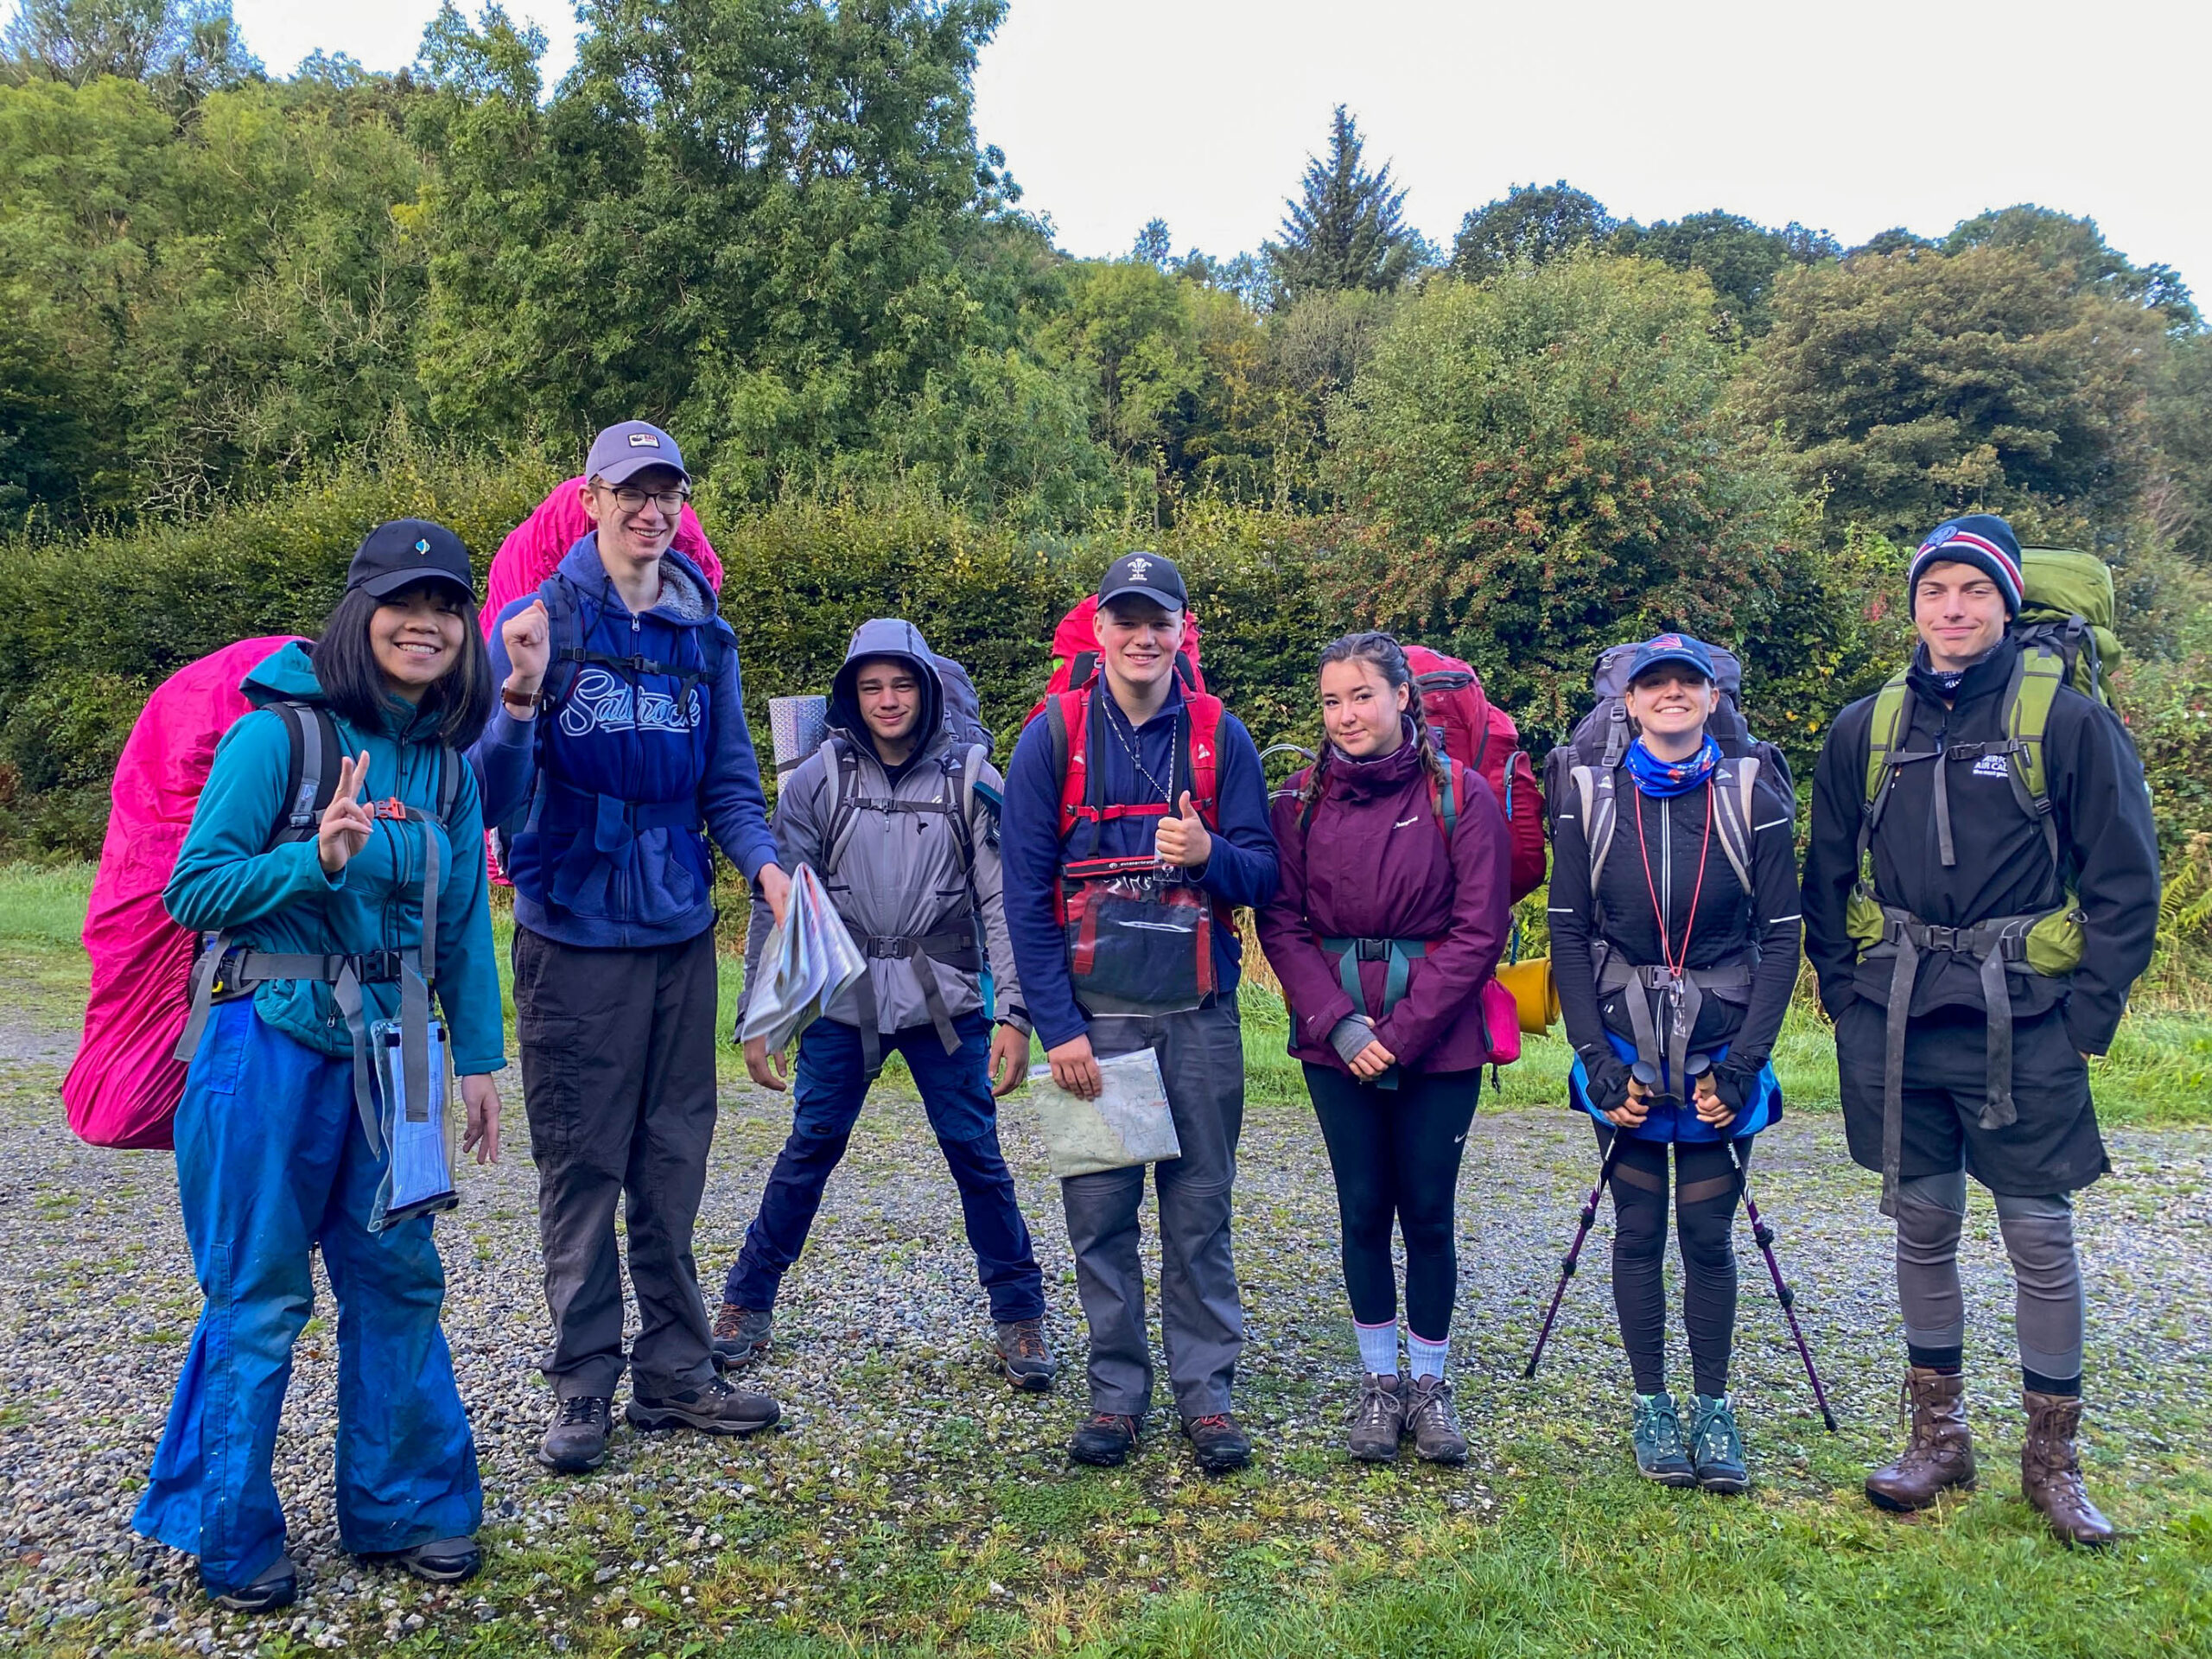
{"x":1396,"y":1153}
{"x":1705,"y":1192}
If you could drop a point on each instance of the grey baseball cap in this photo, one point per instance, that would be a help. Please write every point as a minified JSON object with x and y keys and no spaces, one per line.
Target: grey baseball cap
{"x":621,"y":452}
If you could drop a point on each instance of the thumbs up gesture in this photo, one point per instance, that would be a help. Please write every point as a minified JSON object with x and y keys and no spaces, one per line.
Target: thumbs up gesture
{"x":1184,"y":839}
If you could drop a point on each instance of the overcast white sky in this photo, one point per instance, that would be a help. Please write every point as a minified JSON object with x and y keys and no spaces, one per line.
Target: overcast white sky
{"x":1852,"y":118}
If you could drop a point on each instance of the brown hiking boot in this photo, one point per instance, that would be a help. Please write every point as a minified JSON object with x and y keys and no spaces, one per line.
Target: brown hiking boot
{"x":2050,"y":1471}
{"x":1941,"y":1456}
{"x":740,"y":1335}
{"x":1378,"y":1421}
{"x":1432,"y":1423}
{"x":1023,"y":1356}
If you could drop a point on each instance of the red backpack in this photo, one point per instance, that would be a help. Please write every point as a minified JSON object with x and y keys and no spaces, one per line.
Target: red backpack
{"x":1482,"y":737}
{"x":1075,"y":655}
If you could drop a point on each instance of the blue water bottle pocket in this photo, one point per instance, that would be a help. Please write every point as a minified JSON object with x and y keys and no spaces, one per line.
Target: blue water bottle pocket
{"x":417,"y":1133}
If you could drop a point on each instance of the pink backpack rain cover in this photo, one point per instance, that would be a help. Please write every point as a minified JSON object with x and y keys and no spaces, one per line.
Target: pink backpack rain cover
{"x":122,"y":1088}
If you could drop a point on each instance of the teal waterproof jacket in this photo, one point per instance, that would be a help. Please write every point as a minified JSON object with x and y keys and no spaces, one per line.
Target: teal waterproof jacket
{"x":280,"y":900}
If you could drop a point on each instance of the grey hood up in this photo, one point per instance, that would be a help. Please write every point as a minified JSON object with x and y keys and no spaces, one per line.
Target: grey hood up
{"x":901,"y":873}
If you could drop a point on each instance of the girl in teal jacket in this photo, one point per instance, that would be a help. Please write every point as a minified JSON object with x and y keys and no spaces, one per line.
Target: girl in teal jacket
{"x":274,"y":1156}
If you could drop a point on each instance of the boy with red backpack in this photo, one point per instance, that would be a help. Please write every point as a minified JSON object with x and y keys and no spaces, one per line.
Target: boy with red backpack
{"x":1136,"y":819}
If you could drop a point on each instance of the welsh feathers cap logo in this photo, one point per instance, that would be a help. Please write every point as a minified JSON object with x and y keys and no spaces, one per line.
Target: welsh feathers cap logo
{"x":1138,"y":566}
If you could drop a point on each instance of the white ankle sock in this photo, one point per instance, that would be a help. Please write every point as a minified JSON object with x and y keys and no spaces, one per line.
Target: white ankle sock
{"x":1378,"y":1347}
{"x":1428,"y":1357}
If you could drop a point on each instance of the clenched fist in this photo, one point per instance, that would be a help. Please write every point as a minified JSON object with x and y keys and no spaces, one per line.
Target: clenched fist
{"x":528,"y":637}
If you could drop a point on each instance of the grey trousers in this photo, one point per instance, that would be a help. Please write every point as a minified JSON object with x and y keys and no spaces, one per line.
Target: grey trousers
{"x":618,"y":1079}
{"x":1201,"y":1318}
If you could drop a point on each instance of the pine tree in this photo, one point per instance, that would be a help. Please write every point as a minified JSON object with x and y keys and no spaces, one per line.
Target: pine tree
{"x":1348,"y":229}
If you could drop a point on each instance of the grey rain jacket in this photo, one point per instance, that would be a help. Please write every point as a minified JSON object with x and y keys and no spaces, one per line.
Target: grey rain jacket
{"x":900,"y":875}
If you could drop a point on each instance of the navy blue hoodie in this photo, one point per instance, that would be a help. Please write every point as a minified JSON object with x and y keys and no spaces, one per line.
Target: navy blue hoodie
{"x":608,"y":794}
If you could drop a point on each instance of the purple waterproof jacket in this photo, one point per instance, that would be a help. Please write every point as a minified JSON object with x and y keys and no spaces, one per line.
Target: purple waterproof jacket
{"x":1372,"y":863}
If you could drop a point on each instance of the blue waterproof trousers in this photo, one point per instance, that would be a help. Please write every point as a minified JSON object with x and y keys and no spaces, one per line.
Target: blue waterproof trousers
{"x":270,"y":1159}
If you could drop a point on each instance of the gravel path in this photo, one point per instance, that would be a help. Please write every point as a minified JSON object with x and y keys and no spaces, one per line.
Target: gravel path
{"x":896,"y":1425}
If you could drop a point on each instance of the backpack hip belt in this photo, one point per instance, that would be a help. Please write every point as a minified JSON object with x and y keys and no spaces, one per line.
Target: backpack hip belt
{"x":952,"y":947}
{"x":1686,"y":991}
{"x":2000,"y":944}
{"x":345,"y":974}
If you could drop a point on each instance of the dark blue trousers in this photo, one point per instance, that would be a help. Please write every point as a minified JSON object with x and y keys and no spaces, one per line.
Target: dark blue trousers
{"x":828,"y":1089}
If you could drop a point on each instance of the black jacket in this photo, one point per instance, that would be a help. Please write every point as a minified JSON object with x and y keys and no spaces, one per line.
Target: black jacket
{"x":1728,"y":924}
{"x":2106,"y":836}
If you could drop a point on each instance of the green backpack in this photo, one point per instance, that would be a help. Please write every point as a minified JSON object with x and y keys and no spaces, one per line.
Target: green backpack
{"x":2065,"y":630}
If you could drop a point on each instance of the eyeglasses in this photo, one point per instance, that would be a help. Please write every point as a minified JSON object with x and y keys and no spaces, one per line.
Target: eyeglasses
{"x":630,"y":498}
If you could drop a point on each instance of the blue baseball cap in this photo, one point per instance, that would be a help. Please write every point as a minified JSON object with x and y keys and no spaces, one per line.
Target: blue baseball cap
{"x":1670,"y":648}
{"x":621,"y":452}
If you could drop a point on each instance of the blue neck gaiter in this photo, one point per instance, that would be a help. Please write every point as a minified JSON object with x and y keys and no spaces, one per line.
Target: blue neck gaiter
{"x":1664,"y":779}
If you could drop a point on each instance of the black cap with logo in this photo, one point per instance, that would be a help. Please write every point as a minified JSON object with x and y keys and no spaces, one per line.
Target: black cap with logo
{"x":1144,"y":576}
{"x":406,"y":551}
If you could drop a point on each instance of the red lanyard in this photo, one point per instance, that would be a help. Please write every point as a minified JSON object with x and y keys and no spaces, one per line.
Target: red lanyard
{"x":1675,"y":964}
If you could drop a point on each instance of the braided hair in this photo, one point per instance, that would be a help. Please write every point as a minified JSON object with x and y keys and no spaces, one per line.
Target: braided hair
{"x":1388,"y":657}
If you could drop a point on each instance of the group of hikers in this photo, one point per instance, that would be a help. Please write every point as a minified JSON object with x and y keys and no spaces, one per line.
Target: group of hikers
{"x":1979,"y":892}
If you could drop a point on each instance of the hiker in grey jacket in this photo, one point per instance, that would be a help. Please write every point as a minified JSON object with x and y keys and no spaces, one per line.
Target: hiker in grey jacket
{"x":900,"y":816}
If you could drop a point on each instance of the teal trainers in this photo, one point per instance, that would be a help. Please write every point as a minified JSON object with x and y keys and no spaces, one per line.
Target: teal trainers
{"x":1659,"y":1454}
{"x":1716,"y":1449}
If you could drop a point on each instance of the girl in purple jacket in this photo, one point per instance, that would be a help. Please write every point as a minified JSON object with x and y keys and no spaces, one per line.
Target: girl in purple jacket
{"x":1391,"y":914}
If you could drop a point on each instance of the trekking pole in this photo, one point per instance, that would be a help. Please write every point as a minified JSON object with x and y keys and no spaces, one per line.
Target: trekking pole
{"x":1782,"y":1292}
{"x":1650,"y":1079}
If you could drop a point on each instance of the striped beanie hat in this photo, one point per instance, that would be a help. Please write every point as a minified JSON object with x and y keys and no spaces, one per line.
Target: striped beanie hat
{"x":1980,"y":539}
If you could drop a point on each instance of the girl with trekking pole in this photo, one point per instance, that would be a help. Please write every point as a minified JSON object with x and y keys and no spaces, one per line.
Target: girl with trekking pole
{"x":1674,"y":926}
{"x":334,"y":856}
{"x":1389,"y":918}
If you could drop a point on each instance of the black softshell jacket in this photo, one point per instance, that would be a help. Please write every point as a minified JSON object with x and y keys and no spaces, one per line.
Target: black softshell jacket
{"x":1727,"y":924}
{"x":2106,"y":834}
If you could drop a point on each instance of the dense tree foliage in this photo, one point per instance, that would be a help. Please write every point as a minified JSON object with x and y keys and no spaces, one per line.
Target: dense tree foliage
{"x":240,"y":312}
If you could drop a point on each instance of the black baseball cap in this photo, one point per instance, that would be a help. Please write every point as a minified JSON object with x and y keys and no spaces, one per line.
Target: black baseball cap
{"x":1148,"y":576}
{"x":1671,"y":648}
{"x":406,"y":551}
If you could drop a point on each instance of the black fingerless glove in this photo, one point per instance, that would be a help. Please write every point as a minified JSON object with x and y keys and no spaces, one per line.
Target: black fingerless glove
{"x":1609,"y":1079}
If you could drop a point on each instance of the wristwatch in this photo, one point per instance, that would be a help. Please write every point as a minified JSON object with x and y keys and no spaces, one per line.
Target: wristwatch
{"x":515,"y":699}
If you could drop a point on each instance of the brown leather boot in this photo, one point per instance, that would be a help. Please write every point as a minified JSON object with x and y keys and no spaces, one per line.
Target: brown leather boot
{"x":1941,"y":1456}
{"x":2050,"y":1472}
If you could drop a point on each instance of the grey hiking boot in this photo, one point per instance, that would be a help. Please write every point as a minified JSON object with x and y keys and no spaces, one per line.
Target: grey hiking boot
{"x":740,"y":1335}
{"x":1023,"y":1356}
{"x":1659,"y":1453}
{"x":1432,"y":1423}
{"x":1378,"y":1421}
{"x":713,"y":1407}
{"x":1716,"y":1449}
{"x":576,"y":1442}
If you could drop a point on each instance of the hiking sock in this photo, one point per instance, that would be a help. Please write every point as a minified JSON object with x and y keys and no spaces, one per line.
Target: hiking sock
{"x":2036,"y":1383}
{"x":2048,"y":1306}
{"x":1378,"y":1347}
{"x":1947,"y":1361}
{"x":1427,"y":1358}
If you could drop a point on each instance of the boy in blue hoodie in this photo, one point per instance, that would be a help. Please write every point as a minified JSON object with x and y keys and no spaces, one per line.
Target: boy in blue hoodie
{"x":619,"y":744}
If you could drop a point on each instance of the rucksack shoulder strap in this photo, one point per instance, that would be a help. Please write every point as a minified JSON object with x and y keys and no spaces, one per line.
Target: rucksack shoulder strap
{"x":1066,"y":718}
{"x":1733,"y":784}
{"x":1444,"y":796}
{"x":2037,"y":675}
{"x":1201,"y":733}
{"x":1595,"y":791}
{"x":1885,"y":732}
{"x":310,"y":771}
{"x":960,"y":771}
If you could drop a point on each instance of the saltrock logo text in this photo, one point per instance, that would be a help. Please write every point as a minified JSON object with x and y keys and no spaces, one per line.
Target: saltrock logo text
{"x":601,"y":701}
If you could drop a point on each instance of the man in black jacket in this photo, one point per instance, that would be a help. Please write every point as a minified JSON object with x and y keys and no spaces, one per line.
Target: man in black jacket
{"x":2009,"y":900}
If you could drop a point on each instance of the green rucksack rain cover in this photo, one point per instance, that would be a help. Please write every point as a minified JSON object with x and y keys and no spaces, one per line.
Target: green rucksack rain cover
{"x":2060,"y":582}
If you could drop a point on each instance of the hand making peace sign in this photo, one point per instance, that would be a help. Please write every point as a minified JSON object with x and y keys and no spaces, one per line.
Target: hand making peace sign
{"x":346,"y":822}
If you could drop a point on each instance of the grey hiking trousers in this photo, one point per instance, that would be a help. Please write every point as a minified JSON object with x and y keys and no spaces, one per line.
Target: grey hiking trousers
{"x":618,"y":1079}
{"x":1201,"y":1317}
